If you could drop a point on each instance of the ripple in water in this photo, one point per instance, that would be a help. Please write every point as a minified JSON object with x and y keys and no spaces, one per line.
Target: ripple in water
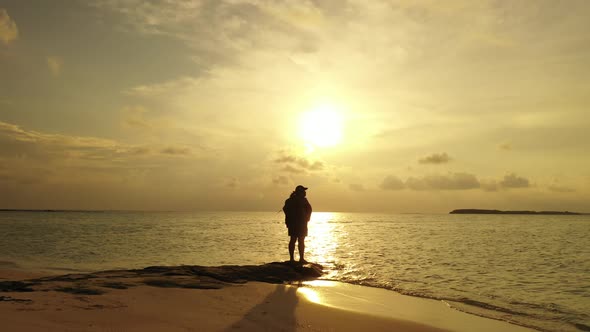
{"x":531,"y":270}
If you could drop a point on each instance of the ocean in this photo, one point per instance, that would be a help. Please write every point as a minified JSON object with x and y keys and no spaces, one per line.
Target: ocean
{"x":531,"y":270}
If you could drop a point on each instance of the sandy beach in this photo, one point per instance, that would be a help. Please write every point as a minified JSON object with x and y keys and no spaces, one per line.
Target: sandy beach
{"x":216,"y":299}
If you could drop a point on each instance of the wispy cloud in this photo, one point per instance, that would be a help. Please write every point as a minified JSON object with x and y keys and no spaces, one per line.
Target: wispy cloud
{"x":561,"y":185}
{"x":137,"y":117}
{"x":134,"y":116}
{"x":291,"y":169}
{"x":489,"y":185}
{"x":221,"y":32}
{"x":459,"y":181}
{"x":16,"y":141}
{"x":55,"y":147}
{"x":452,"y":181}
{"x":36,"y":157}
{"x":281,"y":180}
{"x":140,"y":120}
{"x":176,"y":151}
{"x":392,"y":183}
{"x":8,"y":28}
{"x":163,"y":89}
{"x":511,"y":180}
{"x":560,"y":189}
{"x":435,"y":158}
{"x":356,"y":187}
{"x":298,"y":164}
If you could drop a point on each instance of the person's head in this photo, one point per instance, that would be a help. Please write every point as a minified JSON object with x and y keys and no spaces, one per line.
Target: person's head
{"x":300,"y":190}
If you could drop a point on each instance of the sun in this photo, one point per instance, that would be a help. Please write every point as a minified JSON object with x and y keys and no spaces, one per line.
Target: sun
{"x":322,"y":126}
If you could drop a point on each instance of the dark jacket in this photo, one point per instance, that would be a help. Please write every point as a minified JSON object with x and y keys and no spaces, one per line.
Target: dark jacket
{"x":297,"y":210}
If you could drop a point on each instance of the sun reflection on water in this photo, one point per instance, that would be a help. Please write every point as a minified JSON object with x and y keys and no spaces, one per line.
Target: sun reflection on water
{"x":323,"y":238}
{"x":321,"y":245}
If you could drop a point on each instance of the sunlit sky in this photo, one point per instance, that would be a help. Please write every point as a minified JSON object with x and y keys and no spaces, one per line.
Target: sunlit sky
{"x":376,"y":106}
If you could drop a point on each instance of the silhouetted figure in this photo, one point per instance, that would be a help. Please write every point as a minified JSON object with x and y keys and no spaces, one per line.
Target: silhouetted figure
{"x":297,"y":213}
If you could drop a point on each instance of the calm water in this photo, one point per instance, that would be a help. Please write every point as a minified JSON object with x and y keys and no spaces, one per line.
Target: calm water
{"x":531,"y":270}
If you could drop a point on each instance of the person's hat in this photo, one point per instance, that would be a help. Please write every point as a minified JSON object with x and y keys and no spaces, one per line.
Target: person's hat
{"x":300,"y":188}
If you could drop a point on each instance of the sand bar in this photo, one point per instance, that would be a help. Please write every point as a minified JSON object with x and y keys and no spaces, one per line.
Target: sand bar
{"x":175,"y":299}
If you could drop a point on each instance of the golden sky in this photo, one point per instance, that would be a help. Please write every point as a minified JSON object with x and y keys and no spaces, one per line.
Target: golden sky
{"x":375,"y":105}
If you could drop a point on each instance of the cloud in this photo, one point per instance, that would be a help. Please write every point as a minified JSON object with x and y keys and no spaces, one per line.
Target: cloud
{"x":560,"y":189}
{"x":286,"y":159}
{"x":176,"y":151}
{"x":392,"y":183}
{"x":512,"y":180}
{"x":143,"y":121}
{"x":47,"y":143}
{"x":298,"y":164}
{"x":280,"y":180}
{"x":139,"y":151}
{"x":489,"y":185}
{"x":291,"y":169}
{"x":453,"y":181}
{"x":155,"y":17}
{"x":15,"y":142}
{"x":134,"y":116}
{"x":221,"y":32}
{"x":313,"y":166}
{"x":231,"y":182}
{"x":53,"y":165}
{"x":35,"y":157}
{"x":165,"y":88}
{"x":8,"y":29}
{"x":356,"y":187}
{"x":55,"y":65}
{"x":505,"y":146}
{"x":435,"y":158}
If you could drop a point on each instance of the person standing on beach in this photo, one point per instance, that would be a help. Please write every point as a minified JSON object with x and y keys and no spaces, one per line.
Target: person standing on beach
{"x":297,"y":214}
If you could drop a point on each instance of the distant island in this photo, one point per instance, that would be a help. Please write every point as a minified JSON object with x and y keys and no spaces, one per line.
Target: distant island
{"x":481,"y":211}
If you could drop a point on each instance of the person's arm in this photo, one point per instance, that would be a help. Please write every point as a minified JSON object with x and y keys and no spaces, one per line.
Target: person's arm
{"x":287,"y":210}
{"x":308,"y":210}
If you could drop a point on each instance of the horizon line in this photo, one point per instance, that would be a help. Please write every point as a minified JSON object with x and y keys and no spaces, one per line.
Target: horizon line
{"x":269,"y":211}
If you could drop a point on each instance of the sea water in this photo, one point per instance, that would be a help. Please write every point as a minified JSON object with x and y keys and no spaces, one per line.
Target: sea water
{"x":532,"y":270}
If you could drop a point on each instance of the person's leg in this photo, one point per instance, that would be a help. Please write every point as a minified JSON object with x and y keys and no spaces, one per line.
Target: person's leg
{"x":301,"y":243}
{"x":292,"y":247}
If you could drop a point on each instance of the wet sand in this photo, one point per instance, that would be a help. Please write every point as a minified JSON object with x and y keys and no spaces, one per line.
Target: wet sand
{"x":270,"y":297}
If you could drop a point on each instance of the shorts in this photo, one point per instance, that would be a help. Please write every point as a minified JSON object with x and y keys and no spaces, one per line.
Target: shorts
{"x":299,"y":229}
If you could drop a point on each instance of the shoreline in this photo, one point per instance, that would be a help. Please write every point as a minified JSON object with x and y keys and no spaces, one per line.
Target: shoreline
{"x":166,"y":298}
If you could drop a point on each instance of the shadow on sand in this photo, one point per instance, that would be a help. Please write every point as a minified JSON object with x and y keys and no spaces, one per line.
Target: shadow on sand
{"x":275,"y":313}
